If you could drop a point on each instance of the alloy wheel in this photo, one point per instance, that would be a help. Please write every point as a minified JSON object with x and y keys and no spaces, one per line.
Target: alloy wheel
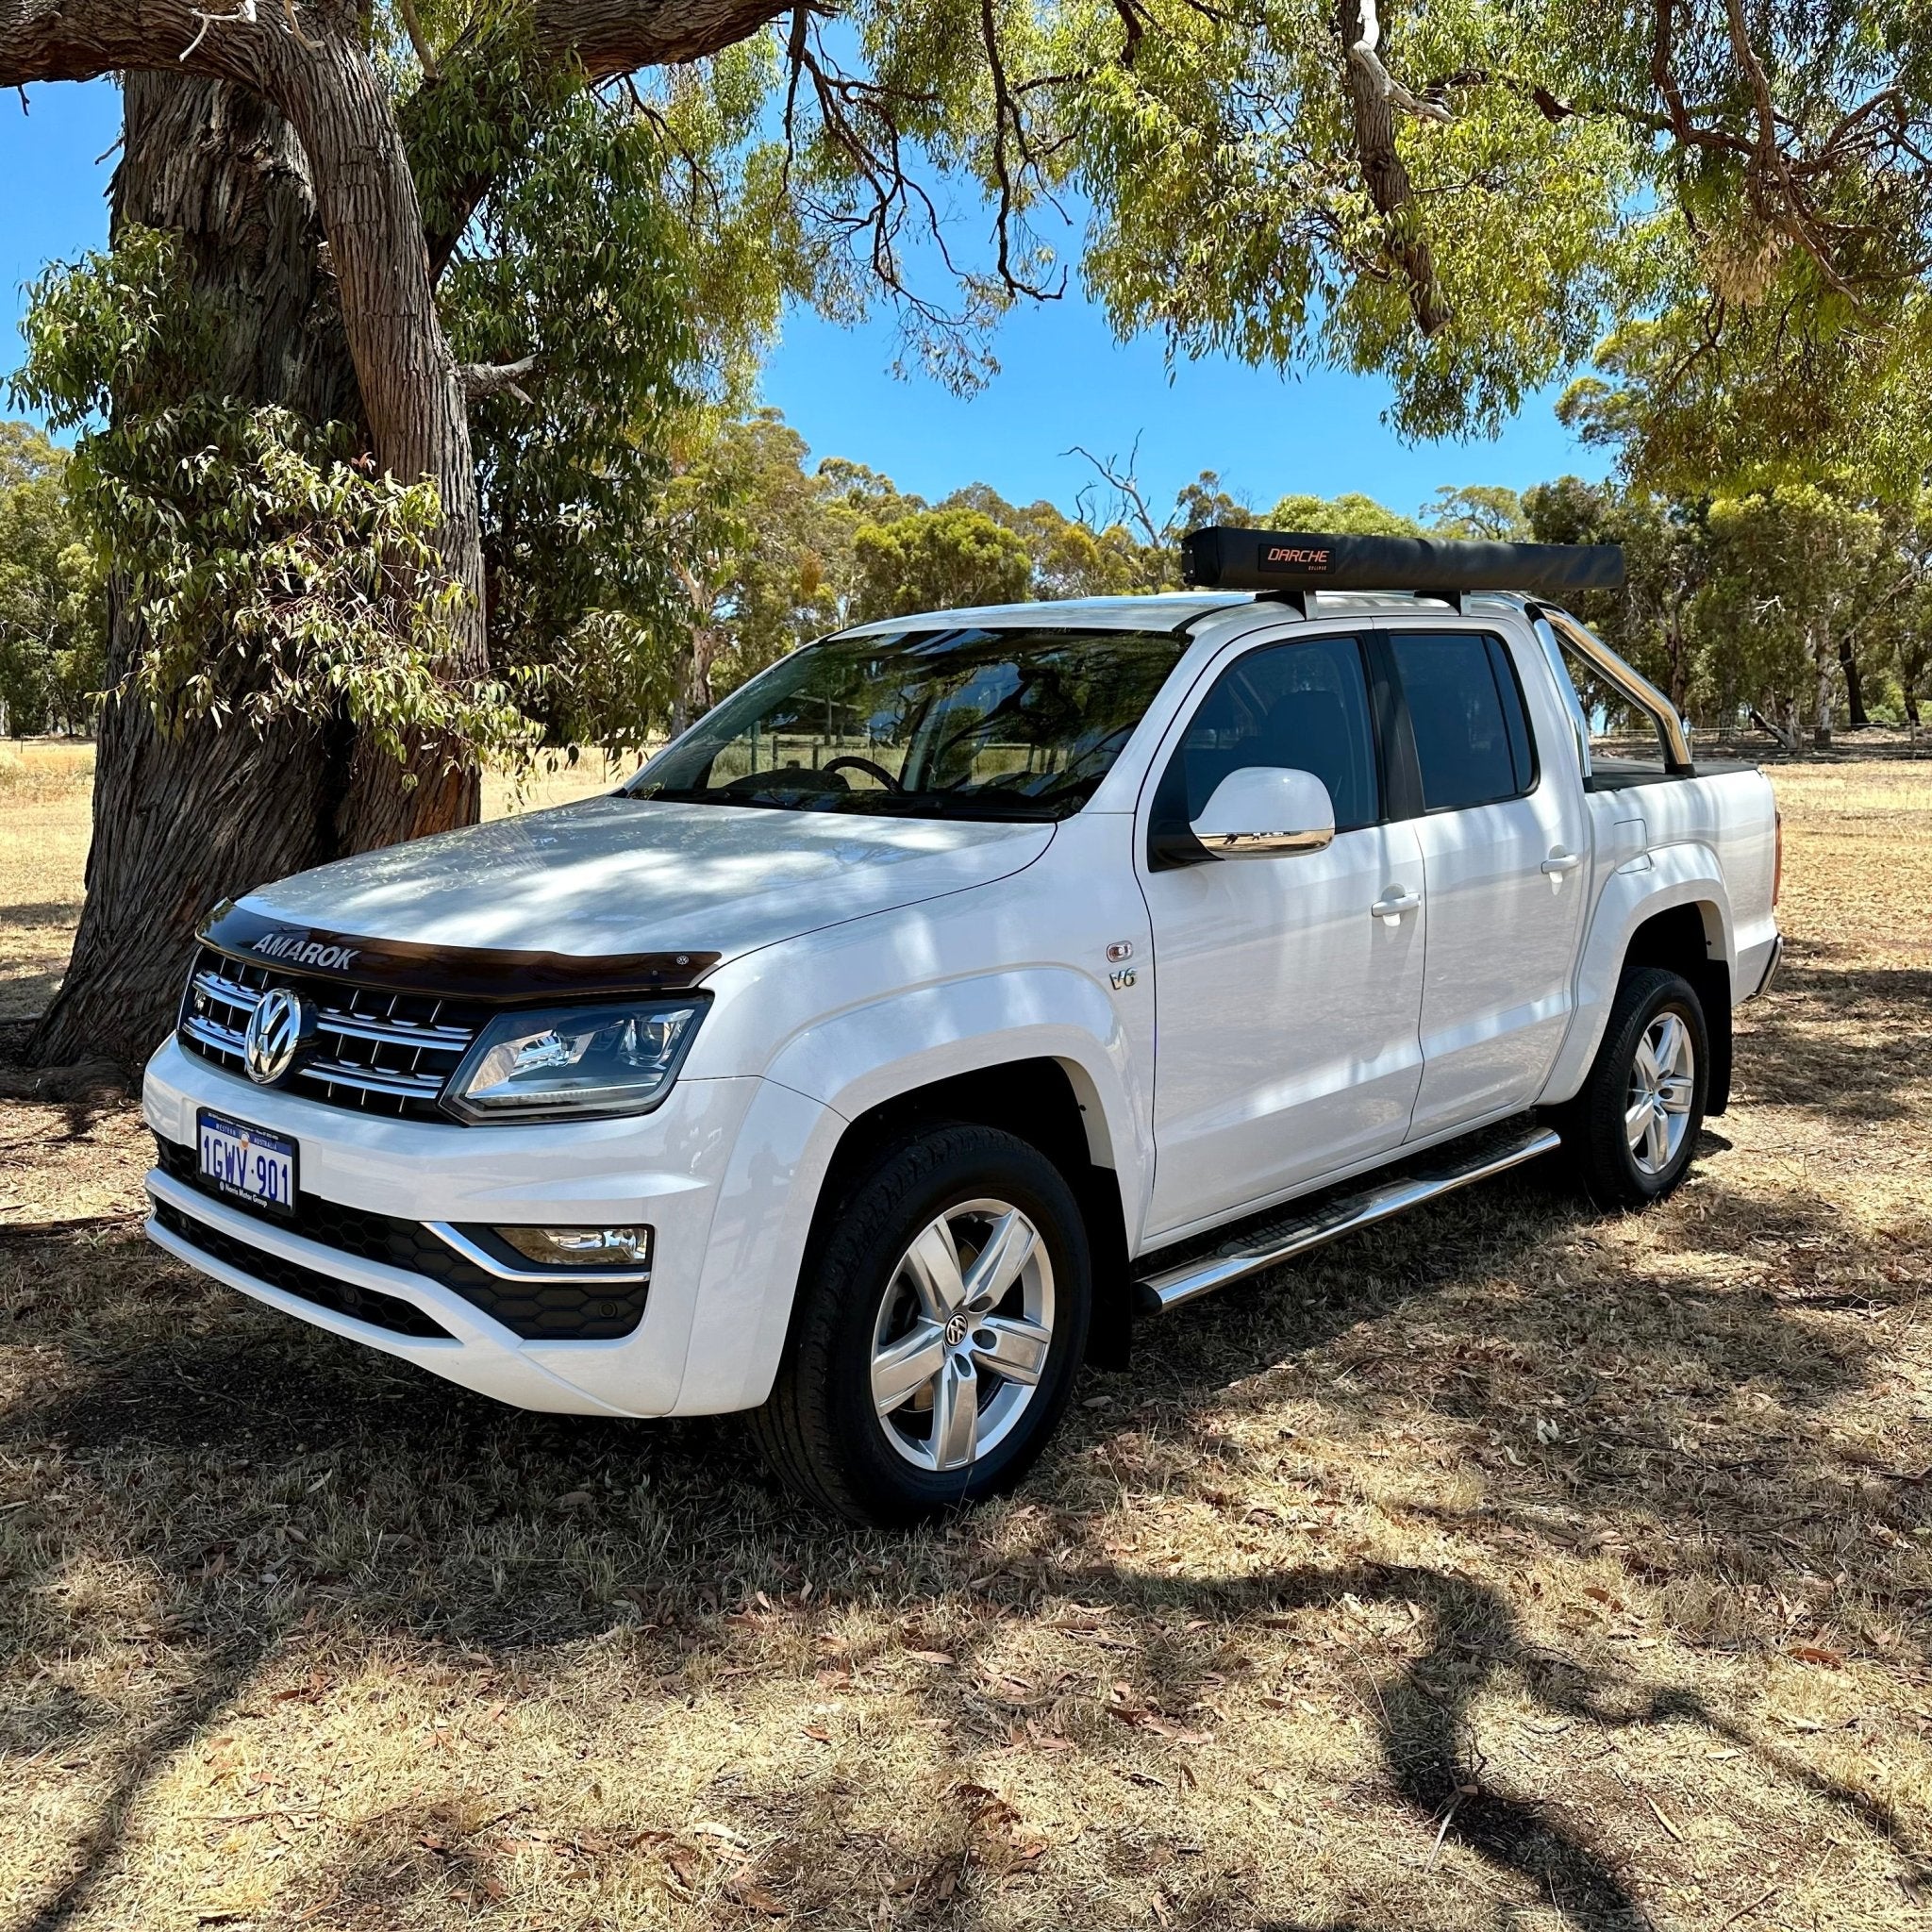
{"x":1662,"y":1084}
{"x":962,"y":1335}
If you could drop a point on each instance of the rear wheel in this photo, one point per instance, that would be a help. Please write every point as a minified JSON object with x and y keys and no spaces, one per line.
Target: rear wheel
{"x":1633,"y":1128}
{"x":942,"y":1316}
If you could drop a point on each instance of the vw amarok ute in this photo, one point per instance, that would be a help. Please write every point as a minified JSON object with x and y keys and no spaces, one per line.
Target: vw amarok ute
{"x":969,"y":986}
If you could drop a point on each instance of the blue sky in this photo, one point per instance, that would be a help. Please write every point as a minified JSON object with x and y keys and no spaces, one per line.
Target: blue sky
{"x":1063,"y":379}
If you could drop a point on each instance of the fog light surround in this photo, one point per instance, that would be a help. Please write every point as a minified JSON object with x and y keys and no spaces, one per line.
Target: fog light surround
{"x":580,"y":1248}
{"x":592,"y":1255}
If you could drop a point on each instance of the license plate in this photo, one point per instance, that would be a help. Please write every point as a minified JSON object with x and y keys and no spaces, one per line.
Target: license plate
{"x":247,"y":1163}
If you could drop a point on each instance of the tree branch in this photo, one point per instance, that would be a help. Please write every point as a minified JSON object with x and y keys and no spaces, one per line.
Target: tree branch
{"x":1384,"y":174}
{"x":1362,"y":52}
{"x":1123,"y":481}
{"x":1008,"y":118}
{"x":1794,"y":217}
{"x":412,"y":26}
{"x":610,"y":37}
{"x":600,"y":39}
{"x":495,"y":379}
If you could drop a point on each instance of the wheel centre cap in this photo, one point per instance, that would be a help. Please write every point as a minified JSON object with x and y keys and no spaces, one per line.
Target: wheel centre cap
{"x":955,"y":1330}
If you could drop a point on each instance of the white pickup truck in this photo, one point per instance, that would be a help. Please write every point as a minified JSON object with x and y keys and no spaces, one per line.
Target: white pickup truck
{"x":969,"y":986}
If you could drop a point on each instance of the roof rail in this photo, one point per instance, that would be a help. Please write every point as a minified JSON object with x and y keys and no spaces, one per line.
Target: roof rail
{"x":1232,"y":560}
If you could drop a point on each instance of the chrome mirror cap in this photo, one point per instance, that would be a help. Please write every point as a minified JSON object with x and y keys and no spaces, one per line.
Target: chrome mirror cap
{"x":1266,"y":811}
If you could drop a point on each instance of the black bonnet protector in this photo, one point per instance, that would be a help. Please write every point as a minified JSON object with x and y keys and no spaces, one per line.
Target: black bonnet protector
{"x":1220,"y":560}
{"x":450,"y":971}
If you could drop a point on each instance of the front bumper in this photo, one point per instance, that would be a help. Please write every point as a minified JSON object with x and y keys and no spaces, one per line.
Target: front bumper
{"x":669,"y":1169}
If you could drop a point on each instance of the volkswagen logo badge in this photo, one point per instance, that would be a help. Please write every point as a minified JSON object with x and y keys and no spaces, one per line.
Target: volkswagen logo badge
{"x":276,"y":1029}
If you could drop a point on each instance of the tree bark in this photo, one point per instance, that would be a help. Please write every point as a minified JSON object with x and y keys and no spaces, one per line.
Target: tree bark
{"x":1678,"y":647}
{"x":413,"y":400}
{"x":1912,"y":668}
{"x":183,"y":822}
{"x":1855,"y":718}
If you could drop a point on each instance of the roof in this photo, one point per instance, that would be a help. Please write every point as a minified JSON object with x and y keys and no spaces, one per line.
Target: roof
{"x":1176,"y":610}
{"x":1164,"y":612}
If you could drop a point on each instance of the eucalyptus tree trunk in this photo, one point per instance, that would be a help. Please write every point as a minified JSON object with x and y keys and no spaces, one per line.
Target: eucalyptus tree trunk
{"x":1826,"y":692}
{"x":1857,"y":718}
{"x":184,"y":820}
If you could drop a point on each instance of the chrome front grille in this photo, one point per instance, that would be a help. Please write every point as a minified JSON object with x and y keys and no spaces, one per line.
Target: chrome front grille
{"x":376,"y":1051}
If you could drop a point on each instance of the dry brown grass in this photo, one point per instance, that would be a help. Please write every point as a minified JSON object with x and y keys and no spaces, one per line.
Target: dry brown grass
{"x":45,"y":786}
{"x":1508,"y":1566}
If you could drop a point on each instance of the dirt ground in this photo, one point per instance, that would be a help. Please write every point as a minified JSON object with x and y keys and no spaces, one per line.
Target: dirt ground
{"x":1508,"y":1566}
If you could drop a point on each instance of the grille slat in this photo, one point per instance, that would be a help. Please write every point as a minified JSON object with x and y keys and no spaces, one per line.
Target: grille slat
{"x":341,"y":1073}
{"x":354,"y":1026}
{"x":225,"y":1041}
{"x":376,"y":1051}
{"x":231,"y":993}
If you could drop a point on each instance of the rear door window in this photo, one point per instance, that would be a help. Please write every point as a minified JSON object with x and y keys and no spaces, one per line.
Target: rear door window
{"x":1465,"y":709}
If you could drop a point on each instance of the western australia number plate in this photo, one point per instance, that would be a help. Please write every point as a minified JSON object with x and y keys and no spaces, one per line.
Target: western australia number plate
{"x":247,"y":1163}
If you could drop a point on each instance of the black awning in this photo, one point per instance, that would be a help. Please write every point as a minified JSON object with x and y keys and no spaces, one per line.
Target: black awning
{"x":1305,"y":560}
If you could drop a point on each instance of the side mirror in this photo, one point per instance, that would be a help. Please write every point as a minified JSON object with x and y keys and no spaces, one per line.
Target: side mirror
{"x":1265,"y":811}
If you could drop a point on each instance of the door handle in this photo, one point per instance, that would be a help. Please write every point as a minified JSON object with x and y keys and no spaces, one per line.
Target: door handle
{"x":1393,"y":904}
{"x":1558,"y":863}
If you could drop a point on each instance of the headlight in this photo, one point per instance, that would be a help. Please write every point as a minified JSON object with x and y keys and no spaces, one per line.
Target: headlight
{"x":575,"y":1061}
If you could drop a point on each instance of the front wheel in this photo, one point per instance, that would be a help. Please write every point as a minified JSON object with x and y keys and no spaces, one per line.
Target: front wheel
{"x":942,"y":1312}
{"x":1632,"y":1129}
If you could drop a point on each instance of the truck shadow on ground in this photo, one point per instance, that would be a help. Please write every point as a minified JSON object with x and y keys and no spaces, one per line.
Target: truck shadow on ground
{"x":1848,"y":1043}
{"x":266,"y":1480}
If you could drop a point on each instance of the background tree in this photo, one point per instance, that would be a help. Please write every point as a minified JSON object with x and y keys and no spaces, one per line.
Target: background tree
{"x":1476,"y":511}
{"x":1798,"y":578}
{"x":1652,"y":621}
{"x":1351,"y":514}
{"x":762,"y":551}
{"x":51,"y":622}
{"x":1909,"y":615}
{"x":1071,"y":556}
{"x":938,"y":560}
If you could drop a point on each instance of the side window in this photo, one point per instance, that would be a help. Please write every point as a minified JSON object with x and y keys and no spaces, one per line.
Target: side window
{"x":1465,"y":708}
{"x":1304,"y":705}
{"x":1624,"y":738}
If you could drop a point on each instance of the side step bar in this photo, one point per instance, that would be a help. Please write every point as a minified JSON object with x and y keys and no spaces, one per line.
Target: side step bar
{"x":1266,"y":1244}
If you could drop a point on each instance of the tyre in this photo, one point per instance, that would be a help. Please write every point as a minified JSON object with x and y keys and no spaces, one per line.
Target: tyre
{"x":941,"y":1315}
{"x":1632,"y":1128}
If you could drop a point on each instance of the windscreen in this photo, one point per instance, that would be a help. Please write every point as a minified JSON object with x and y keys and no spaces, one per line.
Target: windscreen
{"x":1019,"y":724}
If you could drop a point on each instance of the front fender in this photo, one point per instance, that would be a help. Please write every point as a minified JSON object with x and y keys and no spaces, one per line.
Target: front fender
{"x":1672,"y":875}
{"x":873,"y":1053}
{"x":833,"y":1072}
